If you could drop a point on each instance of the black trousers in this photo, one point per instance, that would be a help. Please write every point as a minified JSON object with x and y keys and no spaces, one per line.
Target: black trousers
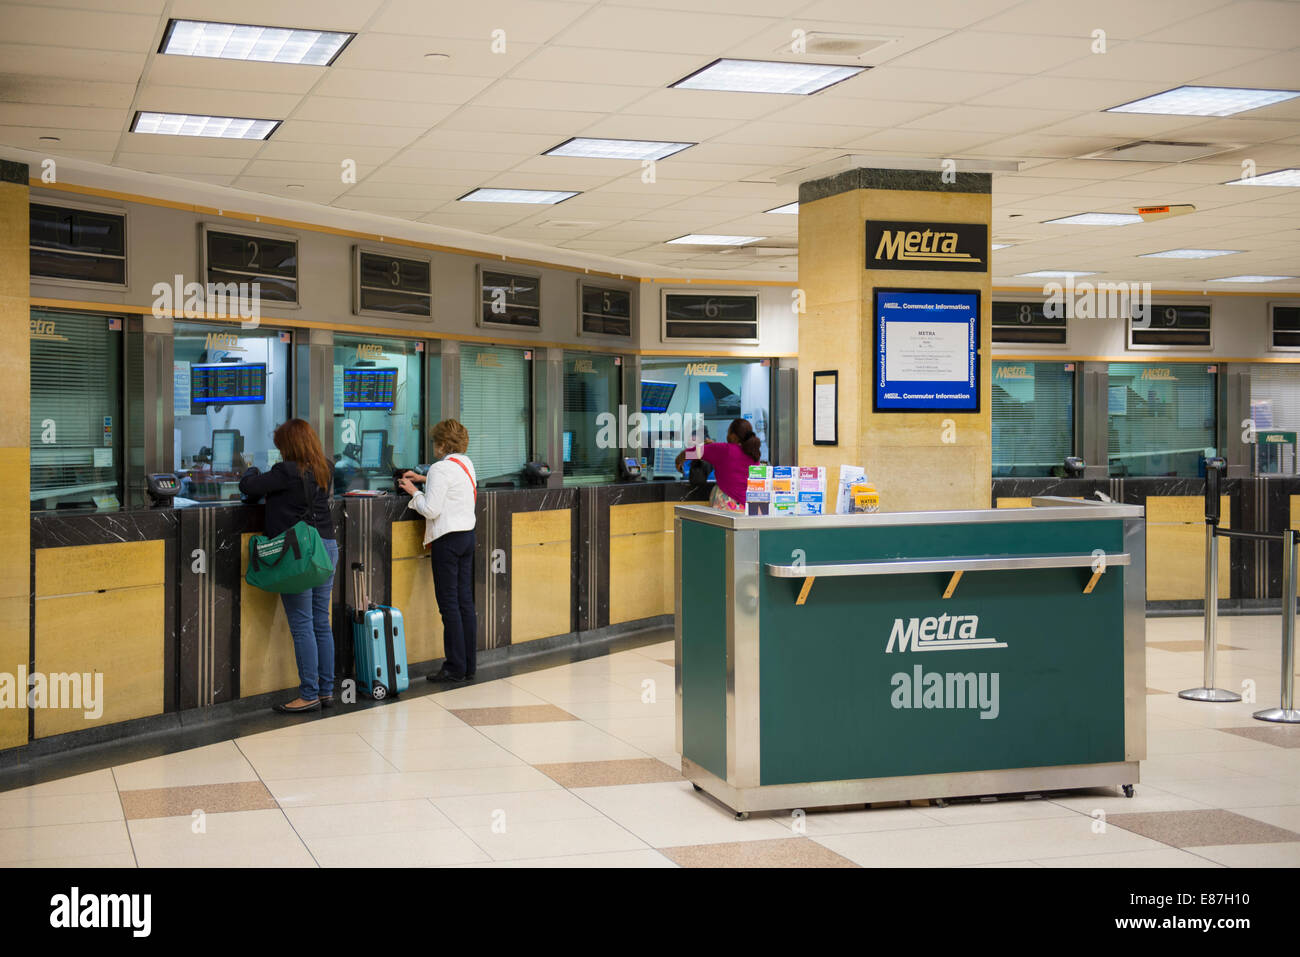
{"x":453,"y":586}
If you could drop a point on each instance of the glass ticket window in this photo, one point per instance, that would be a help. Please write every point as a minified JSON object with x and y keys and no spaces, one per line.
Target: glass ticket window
{"x":1161,"y":418}
{"x":231,"y":389}
{"x":681,"y":397}
{"x":76,"y":410}
{"x":1033,"y":417}
{"x":591,"y":439}
{"x":378,"y":410}
{"x":496,"y":386}
{"x":1274,"y":412}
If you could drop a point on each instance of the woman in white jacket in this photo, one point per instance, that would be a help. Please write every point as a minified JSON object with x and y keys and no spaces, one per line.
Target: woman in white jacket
{"x":447,"y":504}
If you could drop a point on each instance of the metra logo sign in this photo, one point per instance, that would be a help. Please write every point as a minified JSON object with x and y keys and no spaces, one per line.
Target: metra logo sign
{"x":488,"y":359}
{"x":951,"y":247}
{"x":583,"y":365}
{"x":1013,"y":372}
{"x":223,"y":340}
{"x":945,"y":633}
{"x":43,"y":329}
{"x":367,"y":351}
{"x":1165,"y":375}
{"x":701,"y":368}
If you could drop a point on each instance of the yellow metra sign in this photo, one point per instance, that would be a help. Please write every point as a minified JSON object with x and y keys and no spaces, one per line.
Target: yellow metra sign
{"x":223,"y":340}
{"x":488,"y":359}
{"x":957,"y":247}
{"x":369,"y":351}
{"x":43,"y":329}
{"x":701,"y":368}
{"x":583,"y":365}
{"x":1013,"y":372}
{"x":1159,"y":374}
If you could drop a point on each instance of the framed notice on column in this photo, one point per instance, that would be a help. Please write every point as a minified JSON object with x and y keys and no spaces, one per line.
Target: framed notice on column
{"x":826,"y":408}
{"x":927,"y":350}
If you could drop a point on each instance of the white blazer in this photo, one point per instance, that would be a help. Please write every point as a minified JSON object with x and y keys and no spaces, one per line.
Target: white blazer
{"x":447,"y":501}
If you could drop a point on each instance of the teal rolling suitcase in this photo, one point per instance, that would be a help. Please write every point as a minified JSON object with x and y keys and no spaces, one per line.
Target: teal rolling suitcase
{"x":378,"y":644}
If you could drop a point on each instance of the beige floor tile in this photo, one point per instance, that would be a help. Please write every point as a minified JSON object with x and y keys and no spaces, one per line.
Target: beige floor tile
{"x":561,"y":838}
{"x":237,"y":839}
{"x":89,"y":783}
{"x":1285,"y":816}
{"x":1146,"y":797}
{"x":379,"y":817}
{"x":18,"y":844}
{"x":1253,"y":855}
{"x":275,"y":767}
{"x":813,"y":823}
{"x":404,"y":785}
{"x":396,"y":716}
{"x":999,"y":864}
{"x":419,"y":739}
{"x":494,"y":694}
{"x":214,"y":764}
{"x":1236,"y":792}
{"x":1188,"y":767}
{"x":986,"y":812}
{"x":270,"y":745}
{"x":1198,"y":741}
{"x":594,"y":711}
{"x":1168,"y":857}
{"x":621,"y":664}
{"x":483,"y":754}
{"x":84,"y":862}
{"x":622,"y":859}
{"x":667,"y":815}
{"x":562,"y":690}
{"x":1278,"y":735}
{"x":560,"y":742}
{"x":515,"y":714}
{"x":983,"y":843}
{"x":408,"y":849}
{"x":1212,"y":826}
{"x":670,"y":758}
{"x":1278,"y":764}
{"x":799,"y":852}
{"x":35,"y":810}
{"x":529,"y":807}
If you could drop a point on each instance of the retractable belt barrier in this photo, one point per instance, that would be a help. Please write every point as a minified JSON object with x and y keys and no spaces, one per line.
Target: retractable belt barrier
{"x":1289,"y":538}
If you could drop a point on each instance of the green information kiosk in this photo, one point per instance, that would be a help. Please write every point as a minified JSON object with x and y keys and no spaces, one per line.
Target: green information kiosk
{"x":847,"y":659}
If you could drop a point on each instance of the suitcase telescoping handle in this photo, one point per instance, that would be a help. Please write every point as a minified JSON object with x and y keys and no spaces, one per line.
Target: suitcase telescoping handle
{"x":359,"y":590}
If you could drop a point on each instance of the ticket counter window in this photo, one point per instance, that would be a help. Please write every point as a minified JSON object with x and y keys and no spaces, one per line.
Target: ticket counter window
{"x":378,"y":418}
{"x":1275,"y":415}
{"x":677,"y":394}
{"x":231,"y":389}
{"x":1161,"y":418}
{"x":495,"y":389}
{"x":1033,"y":417}
{"x":591,"y":439}
{"x":76,"y":410}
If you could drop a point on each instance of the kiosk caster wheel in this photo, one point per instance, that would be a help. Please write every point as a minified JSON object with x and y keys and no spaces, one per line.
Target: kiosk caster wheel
{"x":742,"y":815}
{"x":696,"y":786}
{"x":1128,"y":790}
{"x":940,"y":802}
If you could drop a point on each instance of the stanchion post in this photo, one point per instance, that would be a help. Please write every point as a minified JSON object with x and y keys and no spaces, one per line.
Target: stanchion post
{"x":1287,"y":714}
{"x":1207,"y":691}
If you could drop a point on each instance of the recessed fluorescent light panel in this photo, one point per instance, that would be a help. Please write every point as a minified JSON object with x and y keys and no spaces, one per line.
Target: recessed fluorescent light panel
{"x":1051,"y":274}
{"x":1190,"y":253}
{"x":1096,"y":219}
{"x":187,"y":124}
{"x":542,"y":197}
{"x":1205,"y":101}
{"x":790,"y":209}
{"x":591,"y":148}
{"x":766,"y":76}
{"x":1282,"y":177}
{"x":234,"y":41}
{"x":1249,"y":278}
{"x":706,"y":239}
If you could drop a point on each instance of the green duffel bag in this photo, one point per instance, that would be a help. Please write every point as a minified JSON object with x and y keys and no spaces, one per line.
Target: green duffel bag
{"x":294,"y":561}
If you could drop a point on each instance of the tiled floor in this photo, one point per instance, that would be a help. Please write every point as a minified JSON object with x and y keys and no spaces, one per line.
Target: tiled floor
{"x":574,"y":766}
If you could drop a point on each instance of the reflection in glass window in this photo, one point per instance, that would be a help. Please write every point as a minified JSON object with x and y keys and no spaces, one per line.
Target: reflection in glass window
{"x":1033,"y":416}
{"x":675,"y":391}
{"x":495,"y":385}
{"x":76,"y":411}
{"x":591,"y":387}
{"x":1161,"y":418}
{"x":231,"y":390}
{"x":378,"y":423}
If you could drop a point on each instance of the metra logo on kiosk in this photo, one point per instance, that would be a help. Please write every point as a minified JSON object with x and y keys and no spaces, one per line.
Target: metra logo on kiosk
{"x":926,"y":690}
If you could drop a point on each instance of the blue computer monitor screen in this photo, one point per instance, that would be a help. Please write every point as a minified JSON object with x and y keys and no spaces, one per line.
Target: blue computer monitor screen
{"x":369,"y":388}
{"x":228,"y":384}
{"x":655,"y":396}
{"x":372,"y":449}
{"x":568,"y":446}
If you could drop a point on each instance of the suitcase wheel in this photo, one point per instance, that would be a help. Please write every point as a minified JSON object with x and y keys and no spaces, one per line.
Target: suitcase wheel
{"x":378,"y":692}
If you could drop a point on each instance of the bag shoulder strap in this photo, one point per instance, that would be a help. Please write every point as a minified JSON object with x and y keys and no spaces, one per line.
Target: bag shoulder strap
{"x":472,"y":483}
{"x":309,"y":499}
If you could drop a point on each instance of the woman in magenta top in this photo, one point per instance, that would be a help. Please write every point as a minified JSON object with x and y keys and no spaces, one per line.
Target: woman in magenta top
{"x":731,"y":461}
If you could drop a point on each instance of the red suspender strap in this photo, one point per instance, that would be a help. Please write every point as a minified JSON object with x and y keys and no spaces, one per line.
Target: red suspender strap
{"x":472,"y":483}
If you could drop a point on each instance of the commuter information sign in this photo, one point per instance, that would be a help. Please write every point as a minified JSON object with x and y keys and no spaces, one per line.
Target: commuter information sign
{"x":927,"y":350}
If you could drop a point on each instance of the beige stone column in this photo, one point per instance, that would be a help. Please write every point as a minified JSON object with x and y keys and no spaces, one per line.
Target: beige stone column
{"x":918,"y":460}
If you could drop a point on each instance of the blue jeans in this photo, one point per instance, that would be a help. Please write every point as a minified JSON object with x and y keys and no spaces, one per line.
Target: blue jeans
{"x":313,"y":641}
